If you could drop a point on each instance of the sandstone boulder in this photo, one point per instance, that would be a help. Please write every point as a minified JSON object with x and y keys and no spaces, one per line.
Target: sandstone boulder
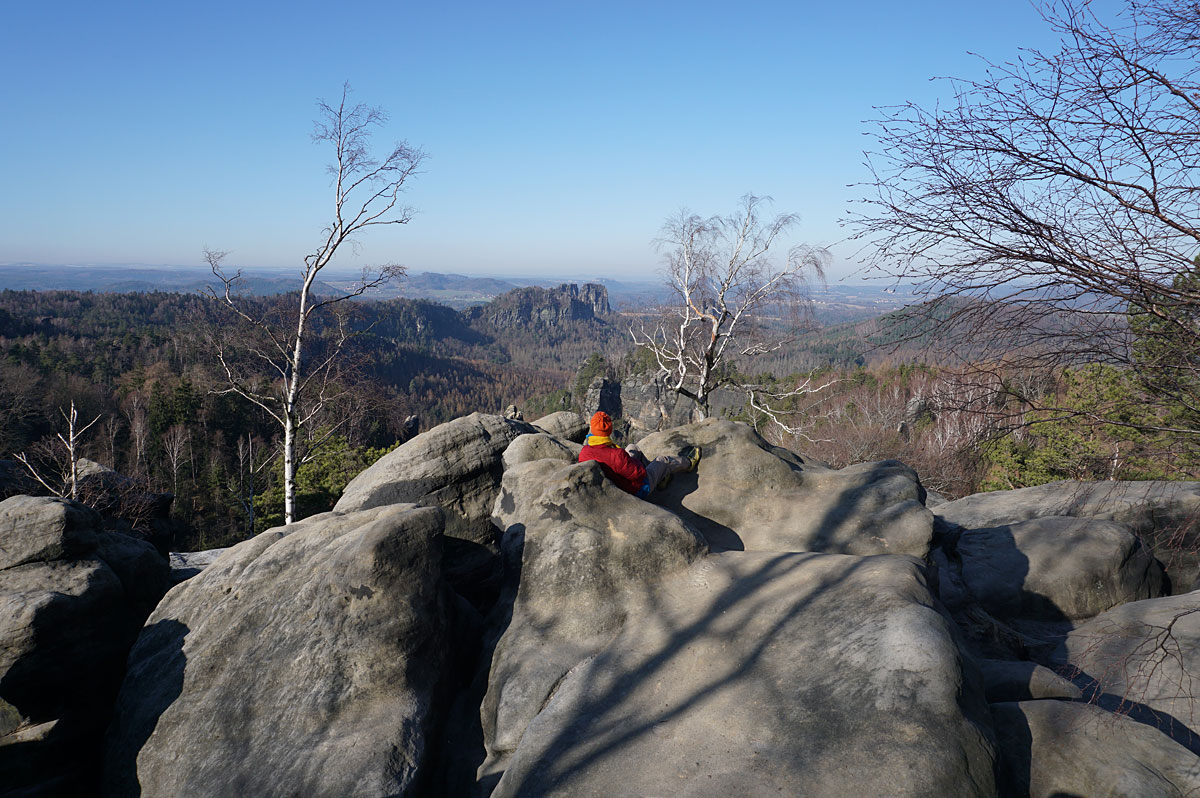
{"x":41,"y":529}
{"x":65,"y":628}
{"x":1166,"y":515}
{"x":750,"y":495}
{"x":456,"y":466}
{"x":583,"y":547}
{"x":761,"y":673}
{"x":1060,"y":748}
{"x":1142,"y":659}
{"x":71,"y":603}
{"x":564,"y":424}
{"x":305,"y":661}
{"x":539,"y":446}
{"x":1057,"y":568}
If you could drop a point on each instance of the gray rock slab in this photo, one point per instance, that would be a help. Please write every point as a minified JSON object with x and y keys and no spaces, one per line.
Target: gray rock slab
{"x":186,"y":564}
{"x":1165,"y":514}
{"x":747,"y":494}
{"x":305,"y":661}
{"x":584,"y":547}
{"x":564,"y":424}
{"x":539,"y":446}
{"x":1057,"y":568}
{"x":766,"y":674}
{"x":1060,"y":748}
{"x":456,"y":466}
{"x":1142,"y":659}
{"x":1007,"y":680}
{"x":43,"y":528}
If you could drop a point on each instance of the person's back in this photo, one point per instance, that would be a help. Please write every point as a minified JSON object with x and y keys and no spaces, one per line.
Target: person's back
{"x":631,"y":472}
{"x":625,"y":471}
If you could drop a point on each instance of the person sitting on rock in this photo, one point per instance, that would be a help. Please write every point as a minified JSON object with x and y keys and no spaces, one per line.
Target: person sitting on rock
{"x":628,"y":468}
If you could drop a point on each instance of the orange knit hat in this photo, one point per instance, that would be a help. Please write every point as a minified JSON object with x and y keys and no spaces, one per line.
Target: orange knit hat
{"x":601,"y":424}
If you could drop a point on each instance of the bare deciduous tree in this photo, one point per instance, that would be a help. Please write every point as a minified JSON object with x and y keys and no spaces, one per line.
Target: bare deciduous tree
{"x":175,"y":442}
{"x":1055,"y":200}
{"x":55,"y":463}
{"x":273,"y":359}
{"x":732,"y":298}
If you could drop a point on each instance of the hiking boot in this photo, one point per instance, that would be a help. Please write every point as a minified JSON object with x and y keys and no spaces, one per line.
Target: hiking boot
{"x":692,"y":455}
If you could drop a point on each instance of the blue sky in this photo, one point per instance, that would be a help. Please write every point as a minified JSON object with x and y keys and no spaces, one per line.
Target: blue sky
{"x":560,"y":135}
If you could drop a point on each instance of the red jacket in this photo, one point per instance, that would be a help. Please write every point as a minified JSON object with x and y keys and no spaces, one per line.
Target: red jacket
{"x":625,"y":471}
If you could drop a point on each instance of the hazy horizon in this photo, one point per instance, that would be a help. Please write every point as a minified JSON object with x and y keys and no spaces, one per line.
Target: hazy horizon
{"x":560,"y":137}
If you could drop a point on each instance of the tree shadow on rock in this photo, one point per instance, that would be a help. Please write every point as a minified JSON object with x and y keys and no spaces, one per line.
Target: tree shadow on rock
{"x":718,"y":536}
{"x":695,"y":656}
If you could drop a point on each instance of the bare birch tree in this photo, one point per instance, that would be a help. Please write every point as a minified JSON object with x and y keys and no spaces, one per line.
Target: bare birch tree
{"x":55,"y":461}
{"x":733,"y":299}
{"x":274,"y":360}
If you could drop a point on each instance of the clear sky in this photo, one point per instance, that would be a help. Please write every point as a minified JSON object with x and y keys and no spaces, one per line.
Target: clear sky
{"x":560,"y":134}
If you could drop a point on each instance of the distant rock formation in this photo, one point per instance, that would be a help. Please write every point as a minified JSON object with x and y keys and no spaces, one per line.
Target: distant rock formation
{"x":544,"y":307}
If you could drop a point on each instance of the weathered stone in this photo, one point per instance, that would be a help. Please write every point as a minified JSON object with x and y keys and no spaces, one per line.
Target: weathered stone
{"x":1060,"y":748}
{"x":750,"y":495}
{"x":1166,"y":515}
{"x":38,"y":761}
{"x":305,"y":661}
{"x":66,"y":626}
{"x":456,"y":466}
{"x":583,"y":546}
{"x":643,"y":403}
{"x":757,"y":673}
{"x":1005,"y":680}
{"x":564,"y":424}
{"x":64,"y":631}
{"x":40,"y":529}
{"x":1057,"y":568}
{"x":539,"y":446}
{"x":1142,"y":659}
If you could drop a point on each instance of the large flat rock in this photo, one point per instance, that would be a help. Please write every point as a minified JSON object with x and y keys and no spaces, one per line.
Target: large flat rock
{"x":1057,"y":568}
{"x":1165,"y":514}
{"x":1052,"y":749}
{"x":1142,"y":659}
{"x":305,"y":661}
{"x":766,"y":674}
{"x":747,"y":494}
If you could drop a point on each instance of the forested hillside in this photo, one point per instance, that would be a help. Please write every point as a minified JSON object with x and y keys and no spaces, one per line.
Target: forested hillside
{"x":140,"y":363}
